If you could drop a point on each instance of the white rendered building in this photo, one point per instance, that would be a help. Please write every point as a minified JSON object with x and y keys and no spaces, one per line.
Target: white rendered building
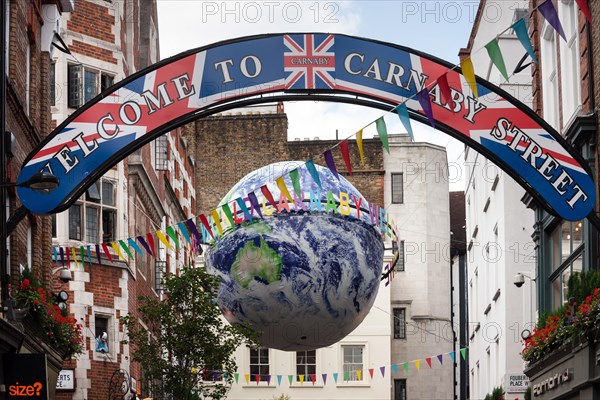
{"x":498,"y":227}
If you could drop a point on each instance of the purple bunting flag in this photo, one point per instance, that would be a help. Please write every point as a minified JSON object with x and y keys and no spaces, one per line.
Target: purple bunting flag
{"x":255,"y":204}
{"x":425,"y":102}
{"x":144,"y":245}
{"x":549,"y":13}
{"x":330,"y":163}
{"x":98,"y":255}
{"x":440,"y":358}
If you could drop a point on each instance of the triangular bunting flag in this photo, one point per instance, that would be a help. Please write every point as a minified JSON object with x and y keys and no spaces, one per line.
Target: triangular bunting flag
{"x":215,"y":375}
{"x":428,"y":361}
{"x":463,"y":353}
{"x":418,"y":364}
{"x":163,"y":239}
{"x":217,"y":220}
{"x":55,"y":256}
{"x":451,"y":354}
{"x":382,"y":370}
{"x":247,"y":377}
{"x":105,"y":249}
{"x":583,"y":6}
{"x":82,"y":256}
{"x":301,"y":377}
{"x":184,"y":231}
{"x":359,"y":143}
{"x":313,"y":378}
{"x":74,"y":257}
{"x":283,"y":188}
{"x":406,"y":366}
{"x":520,"y":29}
{"x":290,"y":378}
{"x":171,"y":232}
{"x":98,"y":255}
{"x":382,"y":131}
{"x":279,"y":380}
{"x":116,"y":249}
{"x":254,"y":203}
{"x":62,"y":256}
{"x":324,"y":376}
{"x":425,"y":102}
{"x":225,"y":375}
{"x":89,"y":254}
{"x":346,"y":155}
{"x":257,"y":378}
{"x":330,"y":163}
{"x":228,"y":214}
{"x":126,"y":248}
{"x":359,"y":374}
{"x":67,"y":252}
{"x":549,"y":13}
{"x":402,"y":112}
{"x":493,"y":50}
{"x":268,"y":379}
{"x":442,"y":81}
{"x":144,"y":244}
{"x":242,"y":205}
{"x":335,"y":377}
{"x":150,"y":240}
{"x":204,"y":222}
{"x":466,"y":65}
{"x":134,"y":245}
{"x":346,"y":376}
{"x":440,"y":358}
{"x":371,"y":372}
{"x":194,"y":230}
{"x":296,"y":182}
{"x":394,"y":368}
{"x":267,"y":193}
{"x":236,"y":376}
{"x":312,"y":170}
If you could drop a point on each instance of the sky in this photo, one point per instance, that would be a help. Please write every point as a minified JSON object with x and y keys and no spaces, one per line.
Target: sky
{"x":439,"y":28}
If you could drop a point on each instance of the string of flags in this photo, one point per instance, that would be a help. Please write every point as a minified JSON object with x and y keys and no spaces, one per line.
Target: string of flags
{"x":247,"y":209}
{"x":323,"y":378}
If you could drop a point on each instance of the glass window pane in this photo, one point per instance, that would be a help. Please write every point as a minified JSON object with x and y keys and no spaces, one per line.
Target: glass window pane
{"x":93,"y":193}
{"x":75,"y":222}
{"x":106,"y":81}
{"x":91,"y":224}
{"x":75,"y":83}
{"x":565,"y":241}
{"x":108,"y":193}
{"x":90,"y":85}
{"x":577,"y":234}
{"x":109,"y":228}
{"x":397,"y":188}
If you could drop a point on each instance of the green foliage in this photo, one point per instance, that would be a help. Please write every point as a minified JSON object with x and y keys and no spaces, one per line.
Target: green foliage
{"x":186,"y":340}
{"x":497,"y":394}
{"x":582,"y":284}
{"x":527,"y":394}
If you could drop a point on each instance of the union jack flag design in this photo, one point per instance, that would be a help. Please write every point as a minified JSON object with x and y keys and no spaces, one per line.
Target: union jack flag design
{"x":309,"y":62}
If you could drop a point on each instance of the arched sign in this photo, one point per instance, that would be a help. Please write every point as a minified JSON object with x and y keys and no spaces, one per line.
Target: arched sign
{"x":313,"y":66}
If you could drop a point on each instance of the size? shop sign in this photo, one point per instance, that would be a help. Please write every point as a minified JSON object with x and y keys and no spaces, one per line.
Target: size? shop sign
{"x":66,"y":380}
{"x":516,"y":383}
{"x":26,"y":378}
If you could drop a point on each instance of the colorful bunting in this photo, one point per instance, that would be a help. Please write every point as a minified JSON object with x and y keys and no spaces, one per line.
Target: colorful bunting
{"x":359,"y":374}
{"x":346,"y":155}
{"x":406,"y":366}
{"x":425,"y":102}
{"x":301,"y":377}
{"x":98,"y":256}
{"x":117,"y":251}
{"x":440,"y":358}
{"x":468,"y":72}
{"x":82,"y":256}
{"x":236,"y":377}
{"x":254,"y":203}
{"x":163,"y":239}
{"x":68,"y":258}
{"x":335,"y":377}
{"x":549,"y":13}
{"x":62,"y":256}
{"x":184,"y":232}
{"x":310,"y":165}
{"x":74,"y":257}
{"x":89,"y":254}
{"x":346,"y":376}
{"x":279,"y":380}
{"x":418,"y":364}
{"x":296,"y":182}
{"x":451,"y":354}
{"x":217,"y":220}
{"x":171,"y":232}
{"x":520,"y":29}
{"x":194,"y":230}
{"x":135,"y":247}
{"x":244,"y":209}
{"x":267,"y":193}
{"x":145,"y":245}
{"x":394,"y":369}
{"x":382,"y":132}
{"x":402,"y":112}
{"x":150,"y":239}
{"x":359,"y":143}
{"x":324,"y":376}
{"x":283,"y":188}
{"x":330,"y":163}
{"x":428,"y":361}
{"x":493,"y":50}
{"x":313,"y":378}
{"x":463,"y":353}
{"x":583,"y":6}
{"x":371,"y":372}
{"x":126,"y":248}
{"x":290,"y":378}
{"x":257,"y":378}
{"x":382,"y":370}
{"x":228,"y":214}
{"x":268,"y":379}
{"x":442,"y":81}
{"x":247,"y":378}
{"x":55,"y":256}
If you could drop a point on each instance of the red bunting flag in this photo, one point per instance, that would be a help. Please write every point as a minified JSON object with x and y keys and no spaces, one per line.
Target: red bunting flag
{"x":346,"y":155}
{"x":445,"y":87}
{"x":257,"y":378}
{"x":150,"y":240}
{"x":206,"y":225}
{"x":330,"y":163}
{"x":267,"y":193}
{"x":67,"y":251}
{"x":106,"y":251}
{"x":428,"y":360}
{"x":371,"y":372}
{"x":313,"y":378}
{"x":583,"y":6}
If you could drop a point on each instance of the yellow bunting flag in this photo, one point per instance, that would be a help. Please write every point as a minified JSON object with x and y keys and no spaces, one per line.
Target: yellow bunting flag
{"x":301,"y":379}
{"x":469,"y":73}
{"x":359,"y":374}
{"x":283,"y":188}
{"x":247,"y":378}
{"x":359,"y":143}
{"x":116,"y":249}
{"x":163,"y":239}
{"x":217,"y":220}
{"x":418,"y":364}
{"x":74,"y":256}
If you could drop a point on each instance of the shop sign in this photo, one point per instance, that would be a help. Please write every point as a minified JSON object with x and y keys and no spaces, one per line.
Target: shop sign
{"x":516,"y":383}
{"x":26,"y":376}
{"x":66,"y":380}
{"x":553,"y":382}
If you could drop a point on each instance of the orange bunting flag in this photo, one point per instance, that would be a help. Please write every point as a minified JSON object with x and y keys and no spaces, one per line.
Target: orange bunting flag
{"x":359,"y":143}
{"x":116,"y":249}
{"x":469,"y":73}
{"x":283,"y":188}
{"x":217,"y":220}
{"x":346,"y":155}
{"x":163,"y":239}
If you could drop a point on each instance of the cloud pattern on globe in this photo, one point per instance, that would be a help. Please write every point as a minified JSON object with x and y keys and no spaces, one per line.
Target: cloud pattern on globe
{"x":302,"y":280}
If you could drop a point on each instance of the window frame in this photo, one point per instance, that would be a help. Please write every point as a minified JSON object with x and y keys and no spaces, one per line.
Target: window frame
{"x":403,"y":386}
{"x":401,"y":333}
{"x":394,"y":189}
{"x":86,"y":203}
{"x":77,"y":85}
{"x":353,"y":377}
{"x":563,"y":267}
{"x":305,"y":365}
{"x":259,"y":364}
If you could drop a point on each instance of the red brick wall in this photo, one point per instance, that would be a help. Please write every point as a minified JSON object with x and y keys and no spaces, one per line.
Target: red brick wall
{"x":92,"y":19}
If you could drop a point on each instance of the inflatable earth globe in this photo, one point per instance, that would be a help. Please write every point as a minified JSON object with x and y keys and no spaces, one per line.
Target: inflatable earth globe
{"x":302,"y":279}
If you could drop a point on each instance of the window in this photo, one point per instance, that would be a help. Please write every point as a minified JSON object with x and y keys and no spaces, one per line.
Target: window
{"x":353,"y":361}
{"x":101,"y":333}
{"x":159,"y":270}
{"x":399,"y":323}
{"x":259,"y":362}
{"x":53,"y":84}
{"x":566,"y":242}
{"x":306,"y":363}
{"x":400,"y":250}
{"x":161,"y":159}
{"x":399,"y":389}
{"x":549,"y":75}
{"x":94,"y":216}
{"x":85,"y":83}
{"x":397,"y":188}
{"x":569,"y":59}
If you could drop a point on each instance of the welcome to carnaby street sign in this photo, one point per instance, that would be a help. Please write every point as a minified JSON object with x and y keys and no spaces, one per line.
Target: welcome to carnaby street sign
{"x":330,"y":67}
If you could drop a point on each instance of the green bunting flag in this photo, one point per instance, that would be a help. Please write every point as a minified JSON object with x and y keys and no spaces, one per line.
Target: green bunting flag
{"x":493,"y":49}
{"x":228,"y":214}
{"x":296,"y":182}
{"x":382,"y":131}
{"x":463,"y":353}
{"x":406,"y":367}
